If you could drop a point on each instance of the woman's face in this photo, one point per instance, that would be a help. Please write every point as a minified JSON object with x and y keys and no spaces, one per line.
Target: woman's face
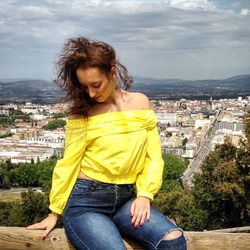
{"x":98,"y":85}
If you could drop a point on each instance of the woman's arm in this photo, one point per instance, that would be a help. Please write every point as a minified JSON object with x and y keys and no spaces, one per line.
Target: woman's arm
{"x":67,"y":169}
{"x":149,"y":180}
{"x":65,"y":174}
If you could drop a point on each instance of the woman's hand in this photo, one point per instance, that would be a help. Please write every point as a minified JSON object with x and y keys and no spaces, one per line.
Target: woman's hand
{"x":140,"y":211}
{"x":48,"y":224}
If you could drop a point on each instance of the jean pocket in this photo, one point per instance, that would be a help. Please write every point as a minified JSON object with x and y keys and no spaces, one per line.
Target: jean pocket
{"x":80,"y":189}
{"x":131,"y":188}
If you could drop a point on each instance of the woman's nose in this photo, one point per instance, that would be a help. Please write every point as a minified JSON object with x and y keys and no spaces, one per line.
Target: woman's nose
{"x":92,"y":93}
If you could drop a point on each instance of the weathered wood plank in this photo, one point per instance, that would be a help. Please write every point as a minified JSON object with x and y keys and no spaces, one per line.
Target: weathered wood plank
{"x":19,"y":238}
{"x":217,"y":241}
{"x":245,"y":229}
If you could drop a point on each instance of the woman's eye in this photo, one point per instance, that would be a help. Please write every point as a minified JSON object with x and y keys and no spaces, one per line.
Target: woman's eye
{"x":96,"y":86}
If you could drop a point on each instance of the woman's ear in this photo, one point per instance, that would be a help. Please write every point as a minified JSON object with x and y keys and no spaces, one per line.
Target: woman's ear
{"x":113,"y":72}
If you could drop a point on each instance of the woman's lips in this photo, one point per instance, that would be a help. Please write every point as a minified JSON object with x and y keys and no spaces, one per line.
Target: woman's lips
{"x":96,"y":98}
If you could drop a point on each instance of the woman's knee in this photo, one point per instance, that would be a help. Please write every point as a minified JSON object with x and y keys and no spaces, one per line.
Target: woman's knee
{"x":174,"y":240}
{"x":173,"y":235}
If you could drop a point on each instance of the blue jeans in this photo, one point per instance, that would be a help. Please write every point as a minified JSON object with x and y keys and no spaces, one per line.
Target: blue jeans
{"x":97,"y":214}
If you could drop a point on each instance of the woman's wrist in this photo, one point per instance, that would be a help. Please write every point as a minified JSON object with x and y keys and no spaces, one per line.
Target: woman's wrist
{"x":140,"y":196}
{"x":54,"y":214}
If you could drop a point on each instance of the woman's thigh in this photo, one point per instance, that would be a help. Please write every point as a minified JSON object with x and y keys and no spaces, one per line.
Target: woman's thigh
{"x":151,"y":233}
{"x":87,"y":217}
{"x":91,"y":230}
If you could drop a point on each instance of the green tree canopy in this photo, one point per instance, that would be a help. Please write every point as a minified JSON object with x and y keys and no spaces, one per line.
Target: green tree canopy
{"x":59,"y":115}
{"x":221,"y":188}
{"x":27,"y":174}
{"x":173,"y":170}
{"x":178,"y":204}
{"x":54,"y":124}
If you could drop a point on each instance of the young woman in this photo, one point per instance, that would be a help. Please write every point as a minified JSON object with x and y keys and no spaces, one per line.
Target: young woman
{"x":112,"y":165}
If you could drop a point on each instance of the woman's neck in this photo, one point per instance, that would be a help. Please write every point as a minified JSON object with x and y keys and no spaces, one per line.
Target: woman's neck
{"x":114,"y":103}
{"x":115,"y":98}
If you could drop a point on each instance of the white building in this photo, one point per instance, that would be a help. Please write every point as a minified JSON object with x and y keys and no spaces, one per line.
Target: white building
{"x":5,"y":112}
{"x":165,"y":118}
{"x":202,"y":123}
{"x":38,"y":117}
{"x":33,"y":148}
{"x":191,"y":148}
{"x":27,"y":110}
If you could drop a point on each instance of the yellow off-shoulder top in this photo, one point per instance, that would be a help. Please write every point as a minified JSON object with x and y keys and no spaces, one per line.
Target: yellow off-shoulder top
{"x":121,"y":147}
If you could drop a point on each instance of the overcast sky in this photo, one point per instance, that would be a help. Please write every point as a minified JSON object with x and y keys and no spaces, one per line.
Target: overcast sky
{"x":187,"y":39}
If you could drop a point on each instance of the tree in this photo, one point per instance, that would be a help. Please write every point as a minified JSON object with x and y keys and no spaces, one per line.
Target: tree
{"x":243,"y":152}
{"x":246,"y":122}
{"x":8,"y":134}
{"x":54,"y":124}
{"x":26,"y":118}
{"x":27,"y":174}
{"x":178,"y":204}
{"x":59,"y":115}
{"x":221,"y":188}
{"x":173,"y":170}
{"x":33,"y":208}
{"x":184,"y":142}
{"x":45,"y":171}
{"x":169,"y":134}
{"x":5,"y":172}
{"x":5,"y":211}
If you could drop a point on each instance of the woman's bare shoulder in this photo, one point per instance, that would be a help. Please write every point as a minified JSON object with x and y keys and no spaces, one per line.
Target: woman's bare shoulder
{"x":139,"y":100}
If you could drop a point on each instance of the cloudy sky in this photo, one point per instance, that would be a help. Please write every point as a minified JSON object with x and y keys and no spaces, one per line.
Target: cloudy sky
{"x":188,"y":39}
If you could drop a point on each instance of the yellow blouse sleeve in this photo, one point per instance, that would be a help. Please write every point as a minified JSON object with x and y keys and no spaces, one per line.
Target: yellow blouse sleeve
{"x":67,"y":169}
{"x":149,"y":180}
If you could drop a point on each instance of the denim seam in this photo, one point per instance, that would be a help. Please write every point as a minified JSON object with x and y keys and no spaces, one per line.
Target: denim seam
{"x":76,"y":234}
{"x":115,"y":198}
{"x":150,"y":243}
{"x":171,"y":230}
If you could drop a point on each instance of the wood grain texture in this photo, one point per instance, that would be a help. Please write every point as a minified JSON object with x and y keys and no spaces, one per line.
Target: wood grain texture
{"x":19,"y":238}
{"x":245,"y":229}
{"x":217,"y":241}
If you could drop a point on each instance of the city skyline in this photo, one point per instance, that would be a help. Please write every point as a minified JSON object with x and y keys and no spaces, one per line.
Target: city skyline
{"x":185,"y":39}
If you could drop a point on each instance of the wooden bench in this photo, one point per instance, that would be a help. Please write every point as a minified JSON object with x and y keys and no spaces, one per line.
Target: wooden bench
{"x":19,"y":238}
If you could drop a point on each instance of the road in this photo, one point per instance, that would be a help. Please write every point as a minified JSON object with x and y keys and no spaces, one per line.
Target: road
{"x":202,"y":152}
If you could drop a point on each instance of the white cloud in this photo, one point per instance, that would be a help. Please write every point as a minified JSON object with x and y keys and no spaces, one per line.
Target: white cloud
{"x":6,"y":2}
{"x":192,"y":4}
{"x":244,"y":12}
{"x":35,"y":11}
{"x":169,"y":31}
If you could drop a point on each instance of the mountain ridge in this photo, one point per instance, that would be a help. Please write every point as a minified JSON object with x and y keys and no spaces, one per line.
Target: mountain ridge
{"x":46,"y":91}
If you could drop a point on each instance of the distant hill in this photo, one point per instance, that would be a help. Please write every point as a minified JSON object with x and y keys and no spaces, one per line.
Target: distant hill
{"x":194,"y":89}
{"x":47,"y":92}
{"x":33,"y":90}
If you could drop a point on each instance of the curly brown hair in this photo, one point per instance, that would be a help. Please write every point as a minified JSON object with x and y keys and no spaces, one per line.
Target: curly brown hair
{"x":81,"y":52}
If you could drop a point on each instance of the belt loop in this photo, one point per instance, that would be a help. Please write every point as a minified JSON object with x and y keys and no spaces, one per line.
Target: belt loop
{"x":93,"y":186}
